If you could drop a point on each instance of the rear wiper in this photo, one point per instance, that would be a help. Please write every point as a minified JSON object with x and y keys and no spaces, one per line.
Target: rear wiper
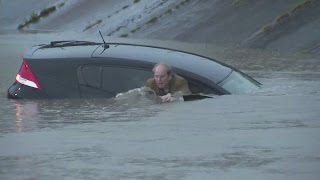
{"x":71,"y":43}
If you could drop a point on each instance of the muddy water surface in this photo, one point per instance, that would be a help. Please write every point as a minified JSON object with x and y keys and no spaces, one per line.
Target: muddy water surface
{"x":271,"y":134}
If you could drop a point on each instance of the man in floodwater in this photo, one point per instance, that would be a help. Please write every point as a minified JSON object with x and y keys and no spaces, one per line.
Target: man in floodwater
{"x":166,"y":84}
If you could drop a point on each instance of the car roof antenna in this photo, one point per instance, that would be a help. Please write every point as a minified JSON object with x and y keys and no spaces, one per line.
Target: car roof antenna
{"x":105,"y":45}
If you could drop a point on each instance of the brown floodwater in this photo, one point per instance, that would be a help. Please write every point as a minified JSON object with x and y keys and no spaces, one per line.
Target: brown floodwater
{"x":270,"y":134}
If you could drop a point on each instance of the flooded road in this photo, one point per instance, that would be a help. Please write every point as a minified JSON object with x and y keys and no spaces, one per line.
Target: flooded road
{"x":271,"y":134}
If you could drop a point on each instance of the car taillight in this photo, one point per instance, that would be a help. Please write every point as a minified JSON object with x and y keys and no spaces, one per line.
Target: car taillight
{"x":27,"y":77}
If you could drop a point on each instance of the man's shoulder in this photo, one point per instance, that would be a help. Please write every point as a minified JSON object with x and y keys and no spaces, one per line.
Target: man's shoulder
{"x":150,"y":82}
{"x":181,"y":84}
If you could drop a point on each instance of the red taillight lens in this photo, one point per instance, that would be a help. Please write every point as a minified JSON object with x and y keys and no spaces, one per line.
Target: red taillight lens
{"x":27,"y":77}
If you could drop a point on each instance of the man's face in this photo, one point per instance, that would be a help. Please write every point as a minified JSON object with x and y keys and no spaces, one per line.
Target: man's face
{"x":162,"y":77}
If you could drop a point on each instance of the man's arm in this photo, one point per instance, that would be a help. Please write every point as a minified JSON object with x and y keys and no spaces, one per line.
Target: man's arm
{"x":181,"y":88}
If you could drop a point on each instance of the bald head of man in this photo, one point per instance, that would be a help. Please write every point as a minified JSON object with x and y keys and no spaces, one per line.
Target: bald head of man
{"x":162,"y":75}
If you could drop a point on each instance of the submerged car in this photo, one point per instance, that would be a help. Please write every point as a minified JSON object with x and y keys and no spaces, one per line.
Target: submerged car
{"x":82,"y":69}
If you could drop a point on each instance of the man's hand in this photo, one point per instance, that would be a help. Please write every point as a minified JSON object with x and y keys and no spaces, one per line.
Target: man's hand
{"x":167,"y":98}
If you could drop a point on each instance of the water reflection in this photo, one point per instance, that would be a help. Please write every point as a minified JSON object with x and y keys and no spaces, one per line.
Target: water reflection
{"x":40,"y":114}
{"x":25,"y":113}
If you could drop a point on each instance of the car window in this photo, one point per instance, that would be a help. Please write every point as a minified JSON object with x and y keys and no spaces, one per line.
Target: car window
{"x":236,"y":83}
{"x":89,"y":79}
{"x":122,"y":79}
{"x":91,"y":76}
{"x":107,"y":81}
{"x":197,"y":87}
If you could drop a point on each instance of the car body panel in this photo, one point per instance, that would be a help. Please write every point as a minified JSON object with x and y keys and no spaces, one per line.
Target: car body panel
{"x":57,"y":77}
{"x":20,"y":91}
